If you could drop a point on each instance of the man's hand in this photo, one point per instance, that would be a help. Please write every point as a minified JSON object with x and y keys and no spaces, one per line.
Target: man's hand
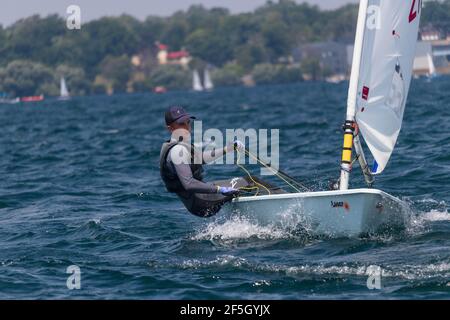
{"x":227,"y":191}
{"x":239,"y":146}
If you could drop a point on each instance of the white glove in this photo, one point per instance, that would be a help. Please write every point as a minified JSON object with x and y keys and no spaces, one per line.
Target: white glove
{"x":239,"y":146}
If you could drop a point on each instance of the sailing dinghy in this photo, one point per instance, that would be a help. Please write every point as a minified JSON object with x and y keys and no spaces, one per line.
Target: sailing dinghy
{"x":196,"y":82}
{"x":383,"y":58}
{"x":64,"y":93}
{"x":209,"y":85}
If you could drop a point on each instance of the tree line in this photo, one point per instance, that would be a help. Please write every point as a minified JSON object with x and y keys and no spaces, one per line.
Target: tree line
{"x":36,"y":51}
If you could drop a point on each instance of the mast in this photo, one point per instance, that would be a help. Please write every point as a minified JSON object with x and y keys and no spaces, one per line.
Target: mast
{"x":346,"y":163}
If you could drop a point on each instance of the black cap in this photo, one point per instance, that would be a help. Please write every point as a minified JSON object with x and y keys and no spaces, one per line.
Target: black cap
{"x":177,"y":114}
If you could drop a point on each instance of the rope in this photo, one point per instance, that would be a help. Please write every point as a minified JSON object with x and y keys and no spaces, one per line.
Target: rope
{"x":250,"y":176}
{"x":273,"y":171}
{"x":276,"y":173}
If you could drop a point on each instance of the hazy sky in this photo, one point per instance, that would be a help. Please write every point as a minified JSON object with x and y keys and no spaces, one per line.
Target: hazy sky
{"x":12,"y":10}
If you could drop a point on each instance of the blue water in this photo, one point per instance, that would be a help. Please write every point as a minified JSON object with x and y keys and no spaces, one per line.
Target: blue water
{"x":80,"y":186}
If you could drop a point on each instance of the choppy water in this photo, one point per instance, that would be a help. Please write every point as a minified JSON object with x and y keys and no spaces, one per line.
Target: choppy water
{"x":80,"y":186}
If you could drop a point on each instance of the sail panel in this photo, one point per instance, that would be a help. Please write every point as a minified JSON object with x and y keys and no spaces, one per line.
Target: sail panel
{"x":388,"y":52}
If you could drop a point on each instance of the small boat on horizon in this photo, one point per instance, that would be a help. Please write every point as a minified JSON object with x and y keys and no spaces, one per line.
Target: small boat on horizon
{"x":32,"y":98}
{"x":209,"y":85}
{"x":64,"y":93}
{"x":160,"y":89}
{"x":5,"y":98}
{"x":197,"y":82}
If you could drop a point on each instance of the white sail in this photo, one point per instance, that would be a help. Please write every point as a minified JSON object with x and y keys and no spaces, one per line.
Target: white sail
{"x":431,"y":66}
{"x":64,"y":93}
{"x":208,"y":82}
{"x":197,"y":84}
{"x":388,"y":51}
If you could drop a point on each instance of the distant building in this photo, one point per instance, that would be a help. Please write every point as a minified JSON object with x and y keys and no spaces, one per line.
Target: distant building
{"x":332,"y":56}
{"x":430,"y":35}
{"x":433,"y":53}
{"x":144,"y":59}
{"x":441,"y":55}
{"x":181,"y":57}
{"x":136,"y":60}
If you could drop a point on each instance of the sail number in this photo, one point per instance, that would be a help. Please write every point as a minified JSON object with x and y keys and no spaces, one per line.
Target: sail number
{"x":413,"y":12}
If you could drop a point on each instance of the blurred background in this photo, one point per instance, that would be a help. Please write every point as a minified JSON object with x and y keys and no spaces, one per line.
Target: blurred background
{"x":142,"y":46}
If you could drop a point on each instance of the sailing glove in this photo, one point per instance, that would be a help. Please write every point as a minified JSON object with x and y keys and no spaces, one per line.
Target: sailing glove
{"x":239,"y":146}
{"x":227,"y":191}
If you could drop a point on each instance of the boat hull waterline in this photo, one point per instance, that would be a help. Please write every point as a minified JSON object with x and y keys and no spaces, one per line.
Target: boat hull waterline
{"x":346,"y":213}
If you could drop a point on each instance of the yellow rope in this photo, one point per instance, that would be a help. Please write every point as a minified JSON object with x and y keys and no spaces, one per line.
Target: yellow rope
{"x":249,"y":175}
{"x":265,"y":165}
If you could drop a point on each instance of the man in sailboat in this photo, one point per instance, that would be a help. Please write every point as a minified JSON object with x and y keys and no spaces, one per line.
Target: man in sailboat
{"x":182,"y":175}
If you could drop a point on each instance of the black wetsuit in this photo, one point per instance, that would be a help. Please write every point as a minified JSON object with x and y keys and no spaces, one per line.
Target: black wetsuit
{"x":185,"y":179}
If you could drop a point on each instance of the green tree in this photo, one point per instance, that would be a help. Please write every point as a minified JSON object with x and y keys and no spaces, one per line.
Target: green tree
{"x":209,"y":46}
{"x":32,"y":39}
{"x":152,"y":30}
{"x":106,"y":37}
{"x":3,"y":40}
{"x":228,"y":75}
{"x":250,"y":54}
{"x":171,"y":77}
{"x":25,"y":78}
{"x":76,"y":80}
{"x":270,"y":74}
{"x":313,"y":68}
{"x":117,"y":71}
{"x":437,"y":15}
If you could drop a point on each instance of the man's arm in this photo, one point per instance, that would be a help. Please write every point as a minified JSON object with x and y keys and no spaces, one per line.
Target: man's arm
{"x":181,"y":159}
{"x":212,"y":155}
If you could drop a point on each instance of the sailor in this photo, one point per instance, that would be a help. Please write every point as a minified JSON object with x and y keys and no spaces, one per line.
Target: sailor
{"x":182,"y":174}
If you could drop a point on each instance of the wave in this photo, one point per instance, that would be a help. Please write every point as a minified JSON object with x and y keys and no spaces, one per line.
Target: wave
{"x":435,"y":215}
{"x":239,"y":228}
{"x":403,"y":272}
{"x":297,"y":227}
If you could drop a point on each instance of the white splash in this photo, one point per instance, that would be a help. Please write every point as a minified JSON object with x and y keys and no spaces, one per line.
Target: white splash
{"x":223,"y":260}
{"x":420,"y":223}
{"x":238,"y":228}
{"x":435,"y":215}
{"x":96,"y":221}
{"x":408,"y":272}
{"x":261,"y":283}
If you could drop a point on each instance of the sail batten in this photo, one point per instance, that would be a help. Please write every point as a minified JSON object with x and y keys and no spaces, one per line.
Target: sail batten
{"x":385,"y":73}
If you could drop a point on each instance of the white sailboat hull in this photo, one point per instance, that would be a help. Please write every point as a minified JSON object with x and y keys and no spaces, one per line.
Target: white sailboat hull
{"x":345,"y":213}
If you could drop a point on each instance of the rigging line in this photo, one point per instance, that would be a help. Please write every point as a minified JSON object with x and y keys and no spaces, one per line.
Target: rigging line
{"x":356,"y":159}
{"x":278,"y":174}
{"x":249,"y":175}
{"x":281,"y":174}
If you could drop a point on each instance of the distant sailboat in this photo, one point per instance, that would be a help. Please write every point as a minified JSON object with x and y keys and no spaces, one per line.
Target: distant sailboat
{"x":64,"y":93}
{"x":197,"y":84}
{"x":431,"y":66}
{"x":208,"y":82}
